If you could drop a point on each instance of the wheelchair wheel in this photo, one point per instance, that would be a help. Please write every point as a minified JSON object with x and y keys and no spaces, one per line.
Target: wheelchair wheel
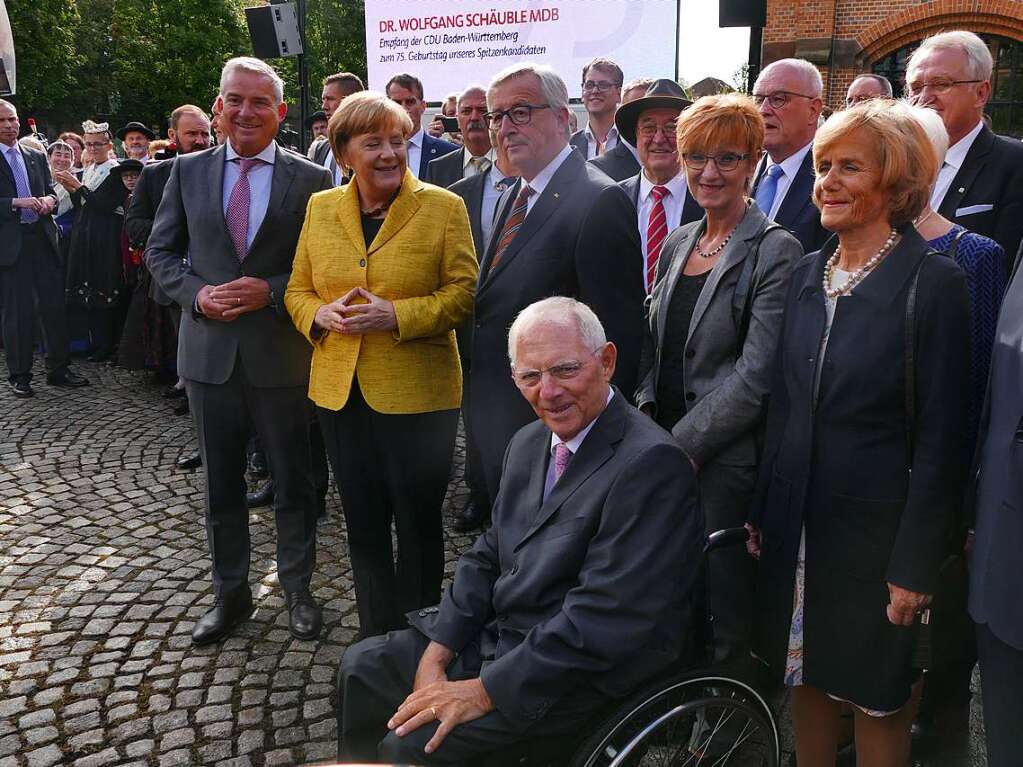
{"x":688,"y":721}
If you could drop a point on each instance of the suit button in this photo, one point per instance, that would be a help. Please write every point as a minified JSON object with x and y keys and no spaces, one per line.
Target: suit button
{"x":362,"y":263}
{"x":690,"y":396}
{"x":690,"y":353}
{"x":479,"y":325}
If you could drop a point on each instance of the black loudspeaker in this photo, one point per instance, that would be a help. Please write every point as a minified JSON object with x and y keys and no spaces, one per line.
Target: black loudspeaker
{"x":273,"y":30}
{"x":742,"y":13}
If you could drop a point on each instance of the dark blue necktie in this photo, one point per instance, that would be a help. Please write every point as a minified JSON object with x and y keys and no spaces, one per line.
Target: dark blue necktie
{"x":21,"y":182}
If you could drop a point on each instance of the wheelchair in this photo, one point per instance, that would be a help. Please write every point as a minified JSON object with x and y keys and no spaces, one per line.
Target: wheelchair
{"x":696,"y":715}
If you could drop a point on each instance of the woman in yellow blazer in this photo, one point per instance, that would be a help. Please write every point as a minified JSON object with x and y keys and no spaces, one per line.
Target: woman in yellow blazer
{"x":385,"y":270}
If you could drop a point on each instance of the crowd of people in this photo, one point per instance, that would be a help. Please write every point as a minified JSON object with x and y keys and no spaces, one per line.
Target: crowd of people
{"x":681,"y":318}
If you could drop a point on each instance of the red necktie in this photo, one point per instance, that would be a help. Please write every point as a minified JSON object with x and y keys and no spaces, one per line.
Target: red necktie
{"x":511,"y":226}
{"x":238,"y":207}
{"x":656,"y":231}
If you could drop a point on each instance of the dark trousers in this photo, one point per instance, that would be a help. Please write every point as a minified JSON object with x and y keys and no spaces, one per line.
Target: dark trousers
{"x":391,"y":467}
{"x":1001,"y":682}
{"x":376,"y":675}
{"x":33,"y":289}
{"x":225,"y":415}
{"x":475,"y":477}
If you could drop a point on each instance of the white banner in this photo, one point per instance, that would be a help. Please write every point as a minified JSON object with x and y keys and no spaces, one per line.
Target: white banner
{"x":449,"y":44}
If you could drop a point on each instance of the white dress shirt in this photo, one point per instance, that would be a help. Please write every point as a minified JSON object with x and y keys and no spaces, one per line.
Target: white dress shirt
{"x":260,"y":180}
{"x":468,"y":168}
{"x":954,"y":159}
{"x":789,"y":168}
{"x":573,"y":445}
{"x":673,"y":203}
{"x":543,"y":178}
{"x":414,"y":152}
{"x":591,"y":141}
{"x":491,"y":195}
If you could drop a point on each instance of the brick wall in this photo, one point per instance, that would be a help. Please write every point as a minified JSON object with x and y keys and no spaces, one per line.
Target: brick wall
{"x":845,"y":37}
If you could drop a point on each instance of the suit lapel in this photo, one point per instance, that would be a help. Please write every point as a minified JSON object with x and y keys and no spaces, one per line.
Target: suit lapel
{"x":501,"y":212}
{"x":475,"y":206}
{"x":283,"y":175}
{"x":968,"y":171}
{"x":798,"y":195}
{"x":350,"y":215}
{"x":7,"y":170}
{"x":545,"y":206}
{"x":734,"y":254}
{"x":597,"y":449}
{"x":402,"y":209}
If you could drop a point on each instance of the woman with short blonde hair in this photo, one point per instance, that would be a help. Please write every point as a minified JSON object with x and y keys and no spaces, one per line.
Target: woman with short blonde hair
{"x":865,"y":452}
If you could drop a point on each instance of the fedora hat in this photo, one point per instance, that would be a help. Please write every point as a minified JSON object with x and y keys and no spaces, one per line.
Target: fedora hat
{"x":320,"y":115}
{"x":135,"y":127}
{"x":662,"y":94}
{"x":126,"y":166}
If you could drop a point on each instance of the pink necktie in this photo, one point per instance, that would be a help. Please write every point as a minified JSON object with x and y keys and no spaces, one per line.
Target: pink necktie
{"x":238,"y":207}
{"x":562,"y":455}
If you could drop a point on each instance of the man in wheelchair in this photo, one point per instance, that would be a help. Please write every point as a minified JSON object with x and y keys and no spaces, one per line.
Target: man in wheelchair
{"x":580,"y":592}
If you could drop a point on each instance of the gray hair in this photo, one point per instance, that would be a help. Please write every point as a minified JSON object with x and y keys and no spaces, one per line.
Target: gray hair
{"x":932,"y":124}
{"x":812,"y":79}
{"x":884,"y":82}
{"x":557,"y":310}
{"x":551,"y":85}
{"x":249,"y":64}
{"x":470,"y":90}
{"x":978,"y":57}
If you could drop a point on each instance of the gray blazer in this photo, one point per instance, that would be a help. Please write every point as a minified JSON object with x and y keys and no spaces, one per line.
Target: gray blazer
{"x":726,"y":386}
{"x":189,"y":227}
{"x":995,"y":574}
{"x":591,"y":588}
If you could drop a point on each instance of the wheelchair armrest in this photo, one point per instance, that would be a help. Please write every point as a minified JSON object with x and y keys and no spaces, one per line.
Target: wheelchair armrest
{"x":730,"y":536}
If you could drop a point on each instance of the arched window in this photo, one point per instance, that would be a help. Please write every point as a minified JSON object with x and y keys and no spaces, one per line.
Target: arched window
{"x":1006,"y":103}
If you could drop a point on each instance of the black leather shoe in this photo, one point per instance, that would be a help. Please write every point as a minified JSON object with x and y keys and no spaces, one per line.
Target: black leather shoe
{"x":172,"y":392}
{"x":21,"y":388}
{"x":257,"y":466}
{"x":470,"y":518}
{"x":67,"y":378}
{"x":226,"y":613}
{"x":189,"y":461}
{"x":181,"y":409}
{"x":262,"y":497}
{"x":304,"y":616}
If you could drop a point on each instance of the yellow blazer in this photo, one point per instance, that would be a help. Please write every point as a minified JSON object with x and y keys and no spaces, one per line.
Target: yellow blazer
{"x":423,"y":261}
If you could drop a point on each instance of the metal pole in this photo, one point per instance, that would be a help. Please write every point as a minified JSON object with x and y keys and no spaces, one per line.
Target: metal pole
{"x":303,"y":82}
{"x":756,"y":40}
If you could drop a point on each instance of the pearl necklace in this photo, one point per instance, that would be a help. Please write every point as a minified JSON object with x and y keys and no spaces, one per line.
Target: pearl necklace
{"x":855,"y":278}
{"x":716,"y":250}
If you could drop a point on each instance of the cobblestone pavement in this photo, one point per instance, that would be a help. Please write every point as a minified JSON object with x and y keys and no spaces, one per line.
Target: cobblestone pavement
{"x":103,"y":570}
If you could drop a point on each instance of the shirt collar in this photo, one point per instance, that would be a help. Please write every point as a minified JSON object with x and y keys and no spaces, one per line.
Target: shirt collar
{"x":611,"y":134}
{"x":576,"y":442}
{"x":416,"y":139}
{"x":543,"y":178}
{"x":268,"y":155}
{"x":791,"y":164}
{"x":467,"y":158}
{"x":495,"y":176}
{"x":956,"y":154}
{"x":677,"y":186}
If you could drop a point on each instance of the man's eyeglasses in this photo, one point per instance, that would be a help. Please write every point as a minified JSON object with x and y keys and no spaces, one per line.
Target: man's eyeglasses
{"x":519,"y":115}
{"x":726,"y":161}
{"x":598,"y":85}
{"x":649,"y":130}
{"x":778,"y":99}
{"x":563,"y":371}
{"x":939,"y":86}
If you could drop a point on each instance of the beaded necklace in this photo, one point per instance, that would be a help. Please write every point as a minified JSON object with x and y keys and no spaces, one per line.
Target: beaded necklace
{"x":856,"y":277}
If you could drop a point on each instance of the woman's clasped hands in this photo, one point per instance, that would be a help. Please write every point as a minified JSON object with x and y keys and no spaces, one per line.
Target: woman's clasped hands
{"x":371,"y":314}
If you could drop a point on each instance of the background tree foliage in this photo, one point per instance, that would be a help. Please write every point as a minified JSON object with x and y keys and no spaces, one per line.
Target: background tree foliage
{"x":120,"y":60}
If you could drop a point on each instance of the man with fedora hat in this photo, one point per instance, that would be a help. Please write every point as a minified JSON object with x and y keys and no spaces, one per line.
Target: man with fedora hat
{"x":136,"y":137}
{"x":658,"y":191}
{"x":316,"y":124}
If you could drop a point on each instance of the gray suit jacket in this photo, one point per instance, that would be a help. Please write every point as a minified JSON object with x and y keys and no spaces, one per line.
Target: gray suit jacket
{"x":590,"y":588}
{"x":190,"y":225}
{"x":726,"y":380}
{"x":996,"y":576}
{"x":446,"y":169}
{"x":620,"y":163}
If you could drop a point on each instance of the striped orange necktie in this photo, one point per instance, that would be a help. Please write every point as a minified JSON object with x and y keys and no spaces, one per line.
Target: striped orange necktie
{"x":511,"y":226}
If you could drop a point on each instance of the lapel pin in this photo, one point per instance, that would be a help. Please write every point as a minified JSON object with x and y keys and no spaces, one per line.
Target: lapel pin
{"x":962,"y":189}
{"x":556,"y":195}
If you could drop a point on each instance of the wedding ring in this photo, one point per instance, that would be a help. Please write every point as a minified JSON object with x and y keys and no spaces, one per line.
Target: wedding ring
{"x":434,"y":712}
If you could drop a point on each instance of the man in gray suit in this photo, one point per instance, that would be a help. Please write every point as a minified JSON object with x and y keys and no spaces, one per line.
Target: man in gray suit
{"x":235,"y":213}
{"x":578,"y":593}
{"x":336,"y":88}
{"x":477,"y":154}
{"x":996,"y":577}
